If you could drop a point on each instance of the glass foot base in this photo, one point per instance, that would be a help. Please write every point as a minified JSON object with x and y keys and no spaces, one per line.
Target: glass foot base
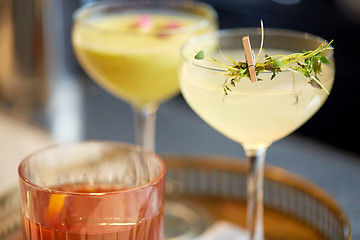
{"x":183,"y":220}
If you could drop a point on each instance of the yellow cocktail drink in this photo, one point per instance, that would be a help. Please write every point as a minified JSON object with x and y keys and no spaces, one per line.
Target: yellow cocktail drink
{"x":254,"y":113}
{"x":135,"y":55}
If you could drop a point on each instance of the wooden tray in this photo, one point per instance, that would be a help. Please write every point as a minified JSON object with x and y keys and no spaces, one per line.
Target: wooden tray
{"x":201,"y":190}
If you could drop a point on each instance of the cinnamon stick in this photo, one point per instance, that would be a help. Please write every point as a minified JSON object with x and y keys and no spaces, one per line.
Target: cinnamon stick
{"x":249,"y":58}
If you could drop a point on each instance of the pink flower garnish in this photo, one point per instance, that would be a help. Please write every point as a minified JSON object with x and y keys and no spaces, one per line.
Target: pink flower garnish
{"x":171,"y":25}
{"x":144,"y":22}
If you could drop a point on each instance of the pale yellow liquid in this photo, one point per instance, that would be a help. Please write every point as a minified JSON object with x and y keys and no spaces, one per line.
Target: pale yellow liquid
{"x":253,"y":114}
{"x":137,"y":65}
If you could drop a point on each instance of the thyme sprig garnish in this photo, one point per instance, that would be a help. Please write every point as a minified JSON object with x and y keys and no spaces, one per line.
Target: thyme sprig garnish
{"x":308,"y":63}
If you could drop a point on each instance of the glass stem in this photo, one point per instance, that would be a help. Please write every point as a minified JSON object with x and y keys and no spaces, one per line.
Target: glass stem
{"x":254,"y":217}
{"x":145,"y":121}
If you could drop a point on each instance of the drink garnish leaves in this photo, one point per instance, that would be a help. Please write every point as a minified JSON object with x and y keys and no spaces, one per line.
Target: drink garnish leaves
{"x":307,"y":63}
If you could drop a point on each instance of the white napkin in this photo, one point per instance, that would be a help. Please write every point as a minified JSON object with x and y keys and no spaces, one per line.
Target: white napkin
{"x":224,"y":230}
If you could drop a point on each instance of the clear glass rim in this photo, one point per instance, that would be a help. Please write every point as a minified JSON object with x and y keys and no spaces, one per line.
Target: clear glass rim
{"x":132,"y":4}
{"x":245,"y":32}
{"x":28,"y":158}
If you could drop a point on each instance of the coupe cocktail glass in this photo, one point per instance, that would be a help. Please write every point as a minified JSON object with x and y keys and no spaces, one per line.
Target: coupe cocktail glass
{"x":92,"y":190}
{"x":131,"y":48}
{"x":254,"y":114}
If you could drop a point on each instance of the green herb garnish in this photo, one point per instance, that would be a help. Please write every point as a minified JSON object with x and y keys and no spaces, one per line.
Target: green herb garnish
{"x":307,"y":63}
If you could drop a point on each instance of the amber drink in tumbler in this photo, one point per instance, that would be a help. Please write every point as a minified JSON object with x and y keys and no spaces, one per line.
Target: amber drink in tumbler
{"x":92,"y":190}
